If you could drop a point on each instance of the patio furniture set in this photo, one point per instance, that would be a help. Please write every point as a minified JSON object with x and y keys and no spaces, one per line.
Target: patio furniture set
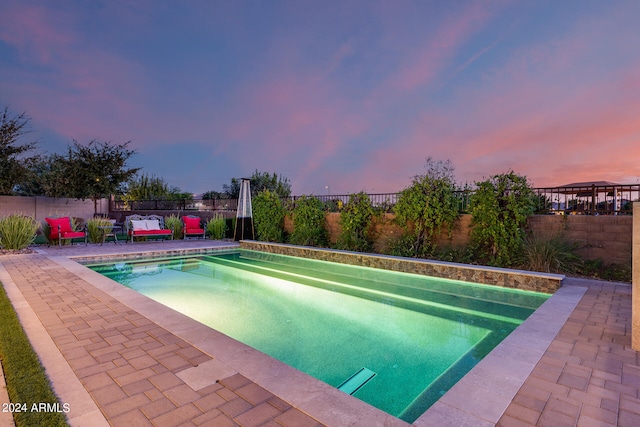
{"x":134,"y":226}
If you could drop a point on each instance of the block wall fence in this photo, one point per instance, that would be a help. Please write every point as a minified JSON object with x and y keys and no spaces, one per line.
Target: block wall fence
{"x":608,"y":237}
{"x":41,"y":207}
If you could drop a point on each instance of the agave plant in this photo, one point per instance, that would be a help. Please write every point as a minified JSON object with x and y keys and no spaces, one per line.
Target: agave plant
{"x":17,"y":231}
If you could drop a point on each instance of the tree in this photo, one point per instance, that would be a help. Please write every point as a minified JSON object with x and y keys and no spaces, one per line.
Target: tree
{"x":427,"y":207}
{"x":14,"y":165}
{"x":93,"y":171}
{"x":32,"y":183}
{"x":500,"y":208}
{"x":211,"y":195}
{"x":260,"y":181}
{"x":145,"y":187}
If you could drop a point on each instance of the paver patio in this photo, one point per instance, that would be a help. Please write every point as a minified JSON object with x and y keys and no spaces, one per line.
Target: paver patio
{"x":116,"y":365}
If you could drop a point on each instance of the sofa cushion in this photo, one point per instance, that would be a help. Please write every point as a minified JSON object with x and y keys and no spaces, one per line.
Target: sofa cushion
{"x":194,"y":231}
{"x":138,"y":225}
{"x":152,"y":224}
{"x":164,"y":231}
{"x":151,"y":232}
{"x":191,"y":223}
{"x":142,"y":232}
{"x":72,"y":234}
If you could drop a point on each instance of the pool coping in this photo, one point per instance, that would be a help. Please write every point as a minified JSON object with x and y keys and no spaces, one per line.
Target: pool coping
{"x":480,"y":398}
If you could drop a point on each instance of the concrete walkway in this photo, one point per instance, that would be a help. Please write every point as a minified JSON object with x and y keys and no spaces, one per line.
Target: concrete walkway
{"x":119,"y":359}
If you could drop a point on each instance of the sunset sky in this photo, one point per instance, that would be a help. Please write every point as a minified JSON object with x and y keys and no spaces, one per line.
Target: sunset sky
{"x":346,"y":95}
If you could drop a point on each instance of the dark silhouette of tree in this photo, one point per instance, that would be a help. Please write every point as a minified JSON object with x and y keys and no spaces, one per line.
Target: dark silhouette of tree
{"x":260,"y":181}
{"x":91,"y":171}
{"x":14,"y":164}
{"x":211,"y":195}
{"x":145,"y":187}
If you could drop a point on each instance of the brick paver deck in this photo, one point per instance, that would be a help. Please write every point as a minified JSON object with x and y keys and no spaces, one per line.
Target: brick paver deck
{"x":589,"y":376}
{"x":134,"y":370}
{"x":129,"y":365}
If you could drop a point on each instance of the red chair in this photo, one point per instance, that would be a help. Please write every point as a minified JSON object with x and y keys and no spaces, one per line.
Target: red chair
{"x":61,"y":229}
{"x":192,"y":227}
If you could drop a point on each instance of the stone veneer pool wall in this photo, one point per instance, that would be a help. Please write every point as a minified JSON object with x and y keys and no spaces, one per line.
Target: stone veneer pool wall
{"x":149,"y":254}
{"x":518,"y":279}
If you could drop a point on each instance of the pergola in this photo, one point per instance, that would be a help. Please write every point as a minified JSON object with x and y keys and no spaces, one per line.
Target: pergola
{"x":590,"y":190}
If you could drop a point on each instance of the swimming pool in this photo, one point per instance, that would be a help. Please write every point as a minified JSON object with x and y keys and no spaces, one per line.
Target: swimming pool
{"x":397,"y":341}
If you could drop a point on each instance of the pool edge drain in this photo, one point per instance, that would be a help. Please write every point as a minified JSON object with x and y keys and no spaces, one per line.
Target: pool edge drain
{"x":356,"y":381}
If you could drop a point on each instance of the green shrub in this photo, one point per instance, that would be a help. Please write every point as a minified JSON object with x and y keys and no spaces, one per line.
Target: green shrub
{"x":268,"y":216}
{"x":462,"y":255}
{"x":94,"y":232}
{"x":550,"y":254}
{"x":598,"y":269}
{"x":216,"y":227}
{"x":174,"y":223}
{"x":425,"y":208}
{"x":17,"y":231}
{"x":355,"y":221}
{"x":309,"y":223}
{"x":500,"y":208}
{"x":404,"y":245}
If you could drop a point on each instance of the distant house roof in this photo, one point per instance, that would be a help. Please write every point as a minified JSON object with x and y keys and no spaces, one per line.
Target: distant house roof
{"x":581,"y":189}
{"x":590,"y":183}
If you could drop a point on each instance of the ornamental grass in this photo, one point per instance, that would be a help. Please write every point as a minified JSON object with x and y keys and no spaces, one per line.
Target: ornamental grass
{"x":216,"y":227}
{"x":17,"y":231}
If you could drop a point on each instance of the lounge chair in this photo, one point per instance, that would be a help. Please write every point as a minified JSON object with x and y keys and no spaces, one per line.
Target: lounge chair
{"x":192,"y":227}
{"x":62,"y":229}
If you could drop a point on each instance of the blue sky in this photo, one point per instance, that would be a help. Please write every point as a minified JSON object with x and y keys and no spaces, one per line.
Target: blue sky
{"x":350,"y":95}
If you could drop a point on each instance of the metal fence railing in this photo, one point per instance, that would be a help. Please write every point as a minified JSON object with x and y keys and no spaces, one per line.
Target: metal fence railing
{"x":382,"y":201}
{"x":175,"y":205}
{"x":607,"y":199}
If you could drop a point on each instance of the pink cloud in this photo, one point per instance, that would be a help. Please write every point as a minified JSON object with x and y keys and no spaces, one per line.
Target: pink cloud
{"x":37,"y":32}
{"x":428,"y":62}
{"x":291,"y":117}
{"x":596,"y":127}
{"x":590,"y":131}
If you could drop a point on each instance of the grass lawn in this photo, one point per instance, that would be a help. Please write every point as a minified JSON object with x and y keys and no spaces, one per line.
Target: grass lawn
{"x":27,"y":382}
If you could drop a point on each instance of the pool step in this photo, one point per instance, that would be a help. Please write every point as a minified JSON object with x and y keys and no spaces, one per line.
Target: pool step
{"x":356,"y":381}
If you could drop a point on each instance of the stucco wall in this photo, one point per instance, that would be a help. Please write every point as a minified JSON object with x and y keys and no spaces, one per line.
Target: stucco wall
{"x":41,"y":207}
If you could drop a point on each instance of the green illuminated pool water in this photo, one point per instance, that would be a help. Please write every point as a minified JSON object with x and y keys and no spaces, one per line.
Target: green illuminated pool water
{"x":419,"y":335}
